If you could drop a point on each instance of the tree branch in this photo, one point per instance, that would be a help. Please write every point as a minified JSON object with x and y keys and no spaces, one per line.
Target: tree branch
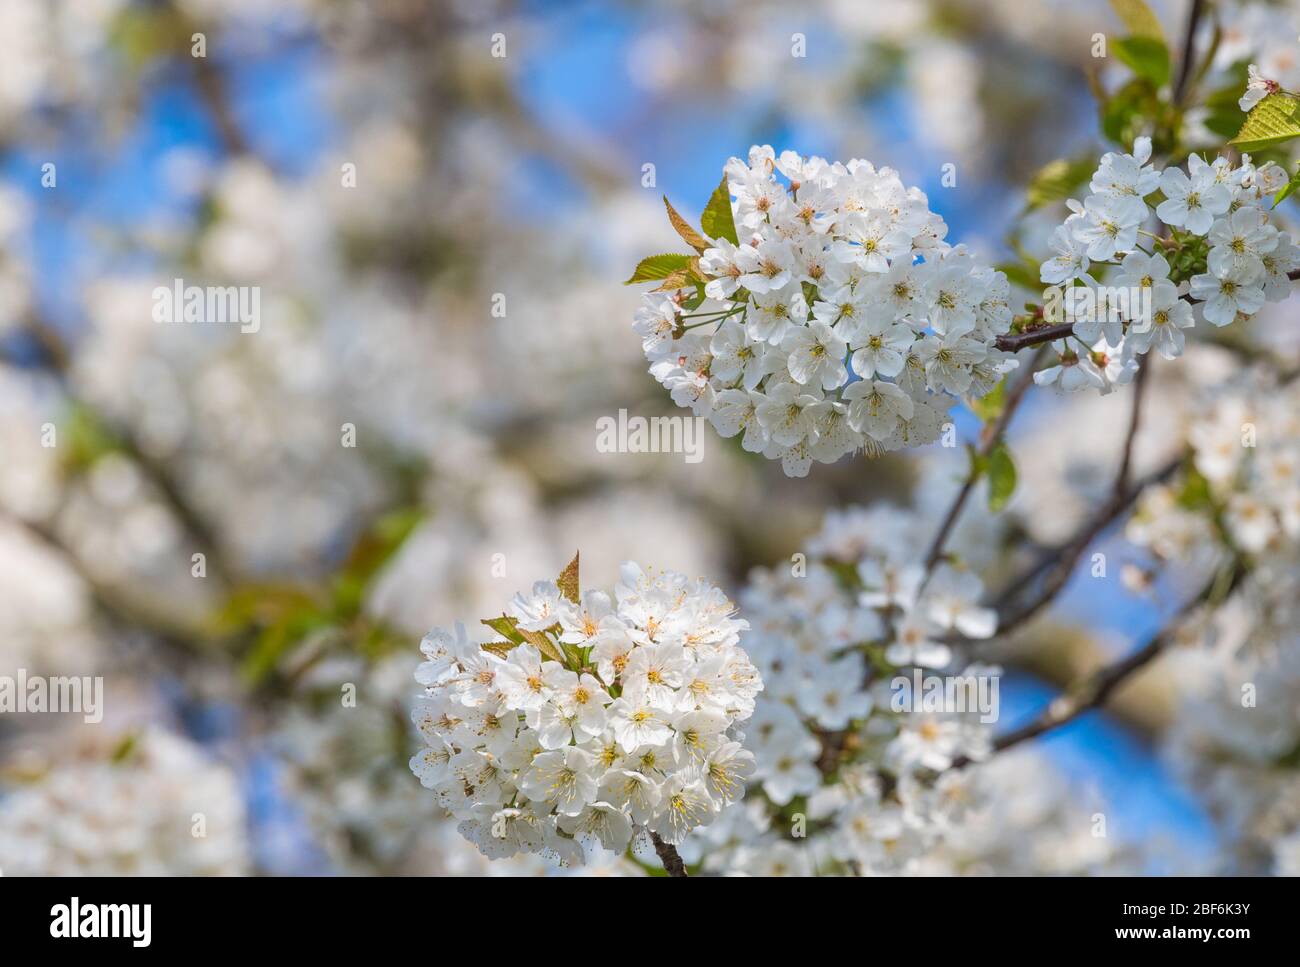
{"x":1058,"y":563}
{"x":211,"y":85}
{"x":1014,"y":342}
{"x":669,"y":856}
{"x":116,"y":610}
{"x":1189,"y":51}
{"x":1135,"y":421}
{"x":1094,"y":691}
{"x":988,"y":440}
{"x":1035,"y":337}
{"x":57,"y":362}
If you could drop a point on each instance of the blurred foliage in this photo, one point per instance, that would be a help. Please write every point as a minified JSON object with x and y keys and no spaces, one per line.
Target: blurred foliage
{"x":278,"y":617}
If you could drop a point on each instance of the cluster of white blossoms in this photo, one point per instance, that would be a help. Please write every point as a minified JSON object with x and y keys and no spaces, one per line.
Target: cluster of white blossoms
{"x":1244,"y":493}
{"x":347,"y":774}
{"x":1222,"y":256}
{"x":592,"y":719}
{"x":152,"y":804}
{"x":834,"y":739}
{"x":835,"y":318}
{"x":1235,"y":734}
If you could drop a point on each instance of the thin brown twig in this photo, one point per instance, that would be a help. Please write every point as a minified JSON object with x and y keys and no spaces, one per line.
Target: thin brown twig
{"x":1134,"y":424}
{"x":1058,"y":563}
{"x":989,"y":439}
{"x":211,"y":84}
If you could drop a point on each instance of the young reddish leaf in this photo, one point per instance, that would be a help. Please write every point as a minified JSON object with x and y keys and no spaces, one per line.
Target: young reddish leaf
{"x":689,"y":235}
{"x":568,"y":580}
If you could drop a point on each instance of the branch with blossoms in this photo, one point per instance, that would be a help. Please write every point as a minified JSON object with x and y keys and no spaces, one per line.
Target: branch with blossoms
{"x":843,"y":322}
{"x":990,"y":440}
{"x":1244,"y":251}
{"x":1193,"y":209}
{"x":589,"y":720}
{"x":822,"y":312}
{"x":1246,"y":517}
{"x":1037,"y":333}
{"x":1240,"y":528}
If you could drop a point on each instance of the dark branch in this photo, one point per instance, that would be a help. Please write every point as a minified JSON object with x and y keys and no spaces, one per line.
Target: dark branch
{"x":1057,"y":564}
{"x":669,"y":856}
{"x":1094,"y":691}
{"x":1134,"y":423}
{"x":1014,"y":342}
{"x":992,"y":434}
{"x":1189,"y":51}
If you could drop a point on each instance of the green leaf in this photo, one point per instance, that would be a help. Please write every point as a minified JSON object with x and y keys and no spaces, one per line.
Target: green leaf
{"x":1122,"y":116}
{"x":1002,"y":477}
{"x":659,"y":267}
{"x":143,"y":34}
{"x":1288,"y":188}
{"x":1058,"y":180}
{"x":372,"y":551}
{"x":572,"y":656}
{"x":1270,"y":122}
{"x":88,"y":436}
{"x":509,"y":629}
{"x":1195,"y":492}
{"x":716,"y":220}
{"x":1289,"y":759}
{"x":278,"y":639}
{"x":685,"y":278}
{"x":1021,"y":275}
{"x":277,"y":616}
{"x":1146,"y":56}
{"x":1138,"y":19}
{"x":989,"y":407}
{"x":689,"y":235}
{"x":568,"y":581}
{"x":542,"y":642}
{"x":505,"y":627}
{"x":1224,"y":123}
{"x":122,"y":751}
